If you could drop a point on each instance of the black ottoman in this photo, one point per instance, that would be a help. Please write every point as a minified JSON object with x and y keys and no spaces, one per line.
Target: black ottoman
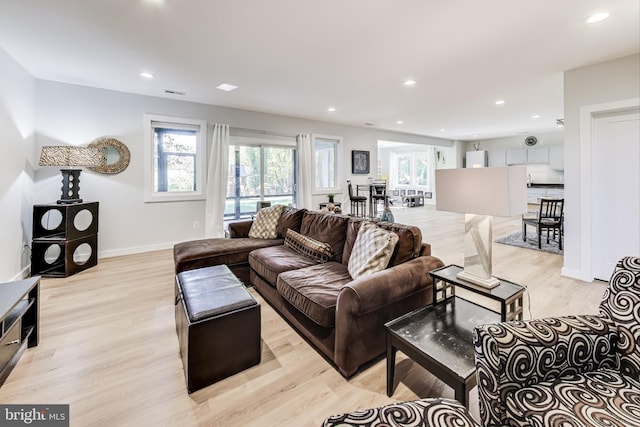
{"x":218,"y":325}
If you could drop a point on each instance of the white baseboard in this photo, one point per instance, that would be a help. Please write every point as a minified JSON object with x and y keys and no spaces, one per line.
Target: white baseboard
{"x":24,"y":273}
{"x":574,"y":274}
{"x":136,"y":250}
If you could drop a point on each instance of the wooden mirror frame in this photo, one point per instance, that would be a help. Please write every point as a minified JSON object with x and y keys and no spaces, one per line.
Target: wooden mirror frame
{"x":123,"y":152}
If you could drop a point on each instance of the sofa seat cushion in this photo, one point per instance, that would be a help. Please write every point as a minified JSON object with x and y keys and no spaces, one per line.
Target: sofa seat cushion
{"x":271,"y":261}
{"x":208,"y":252}
{"x":314,"y":290}
{"x":604,"y":397}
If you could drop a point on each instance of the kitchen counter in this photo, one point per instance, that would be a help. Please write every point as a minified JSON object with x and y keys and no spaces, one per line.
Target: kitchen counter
{"x":536,"y":185}
{"x":544,"y":191}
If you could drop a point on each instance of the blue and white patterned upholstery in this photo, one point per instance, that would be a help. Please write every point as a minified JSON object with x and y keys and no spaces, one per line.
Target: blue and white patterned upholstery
{"x":569,"y":371}
{"x":418,"y":413}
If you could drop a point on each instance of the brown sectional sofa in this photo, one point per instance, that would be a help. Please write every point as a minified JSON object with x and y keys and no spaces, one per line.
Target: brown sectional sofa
{"x":342,"y":317}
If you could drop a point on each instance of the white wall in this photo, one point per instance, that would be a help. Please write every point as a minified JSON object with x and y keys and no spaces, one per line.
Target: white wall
{"x":69,"y":114}
{"x":17,"y":112}
{"x":610,"y":81}
{"x":539,"y":173}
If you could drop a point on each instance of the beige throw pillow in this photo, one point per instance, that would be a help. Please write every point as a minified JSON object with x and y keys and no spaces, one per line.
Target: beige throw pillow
{"x":265,"y":226}
{"x":372,"y":250}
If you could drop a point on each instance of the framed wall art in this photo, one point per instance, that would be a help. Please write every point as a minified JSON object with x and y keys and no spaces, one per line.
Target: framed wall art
{"x":359,"y":162}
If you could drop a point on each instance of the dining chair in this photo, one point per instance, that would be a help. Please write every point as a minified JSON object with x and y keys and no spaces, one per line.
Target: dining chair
{"x":550,"y":218}
{"x":357,"y":202}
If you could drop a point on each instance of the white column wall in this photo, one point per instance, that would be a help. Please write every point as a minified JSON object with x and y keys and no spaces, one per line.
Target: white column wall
{"x":609,"y":81}
{"x":17,"y":113}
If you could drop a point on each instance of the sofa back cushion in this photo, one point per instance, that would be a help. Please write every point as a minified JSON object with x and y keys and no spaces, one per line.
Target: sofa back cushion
{"x":408,"y":247}
{"x":328,"y":228}
{"x":290,"y":218}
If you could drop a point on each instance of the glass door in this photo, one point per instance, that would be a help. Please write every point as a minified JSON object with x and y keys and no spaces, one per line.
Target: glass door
{"x":259,"y":173}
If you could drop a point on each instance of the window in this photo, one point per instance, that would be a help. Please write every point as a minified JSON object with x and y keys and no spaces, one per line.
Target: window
{"x":259,"y":173}
{"x":175,"y":156}
{"x":412,"y":169}
{"x":326,"y":164}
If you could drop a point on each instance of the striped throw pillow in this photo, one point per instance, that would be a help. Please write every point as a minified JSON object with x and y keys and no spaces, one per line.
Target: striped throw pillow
{"x":371,"y":251}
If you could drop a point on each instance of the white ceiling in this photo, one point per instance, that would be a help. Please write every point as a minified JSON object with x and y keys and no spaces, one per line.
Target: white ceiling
{"x":299,"y":57}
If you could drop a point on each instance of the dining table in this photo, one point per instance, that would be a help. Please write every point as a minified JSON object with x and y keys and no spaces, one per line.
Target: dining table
{"x":371,"y":189}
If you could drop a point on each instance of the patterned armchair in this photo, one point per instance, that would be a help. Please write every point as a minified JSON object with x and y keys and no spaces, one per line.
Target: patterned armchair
{"x":569,"y":371}
{"x":418,"y":413}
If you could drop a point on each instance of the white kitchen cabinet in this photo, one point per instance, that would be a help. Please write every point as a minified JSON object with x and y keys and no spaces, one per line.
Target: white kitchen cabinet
{"x":497,"y":158}
{"x":538,"y":155}
{"x":476,"y":159}
{"x":516,"y":157}
{"x":556,"y":158}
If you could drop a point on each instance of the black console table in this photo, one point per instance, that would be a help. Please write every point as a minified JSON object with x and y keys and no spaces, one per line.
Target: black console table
{"x":19,"y":319}
{"x":65,"y":238}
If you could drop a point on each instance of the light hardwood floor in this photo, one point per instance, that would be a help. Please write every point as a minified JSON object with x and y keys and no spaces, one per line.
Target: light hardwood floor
{"x":108,"y":345}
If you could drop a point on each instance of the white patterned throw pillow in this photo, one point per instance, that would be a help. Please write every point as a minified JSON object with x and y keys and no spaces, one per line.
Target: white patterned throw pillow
{"x":372,"y":250}
{"x":265,"y":226}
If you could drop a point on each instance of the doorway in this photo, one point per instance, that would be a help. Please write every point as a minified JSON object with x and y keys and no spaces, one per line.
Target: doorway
{"x":615,"y":189}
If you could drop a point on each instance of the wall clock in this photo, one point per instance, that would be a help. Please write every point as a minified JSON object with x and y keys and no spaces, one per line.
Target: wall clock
{"x":531,"y":140}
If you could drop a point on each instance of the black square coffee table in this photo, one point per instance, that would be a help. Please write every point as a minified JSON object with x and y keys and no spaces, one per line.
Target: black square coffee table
{"x":439,"y":338}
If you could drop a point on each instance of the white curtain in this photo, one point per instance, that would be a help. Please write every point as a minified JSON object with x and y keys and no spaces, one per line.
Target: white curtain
{"x":305,"y":168}
{"x":217,"y":176}
{"x":393,"y":171}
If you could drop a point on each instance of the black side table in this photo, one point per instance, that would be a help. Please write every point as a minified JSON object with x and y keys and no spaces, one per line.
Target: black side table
{"x":508,"y":294}
{"x":439,"y":337}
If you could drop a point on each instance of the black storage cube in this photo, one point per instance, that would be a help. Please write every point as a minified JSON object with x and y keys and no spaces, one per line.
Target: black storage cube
{"x":218,"y":325}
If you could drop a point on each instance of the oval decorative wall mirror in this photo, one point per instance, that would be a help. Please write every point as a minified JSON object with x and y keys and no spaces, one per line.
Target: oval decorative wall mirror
{"x":115,"y":152}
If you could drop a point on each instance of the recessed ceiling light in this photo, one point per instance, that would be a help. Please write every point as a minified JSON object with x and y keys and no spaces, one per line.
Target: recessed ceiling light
{"x":442,"y":130}
{"x":399,"y":122}
{"x":535,"y":116}
{"x":475,"y":135}
{"x":409,"y":82}
{"x":227,"y":87}
{"x":147,"y":75}
{"x":331,"y":109}
{"x":598,"y":17}
{"x":500,"y":102}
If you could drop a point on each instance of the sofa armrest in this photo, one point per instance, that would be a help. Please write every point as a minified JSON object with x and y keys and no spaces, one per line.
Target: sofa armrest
{"x":425,"y":250}
{"x":513,"y":355}
{"x":369,"y":293}
{"x":239,"y":229}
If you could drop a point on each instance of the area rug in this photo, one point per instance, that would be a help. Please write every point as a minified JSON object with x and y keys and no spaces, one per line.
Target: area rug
{"x":515,"y":239}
